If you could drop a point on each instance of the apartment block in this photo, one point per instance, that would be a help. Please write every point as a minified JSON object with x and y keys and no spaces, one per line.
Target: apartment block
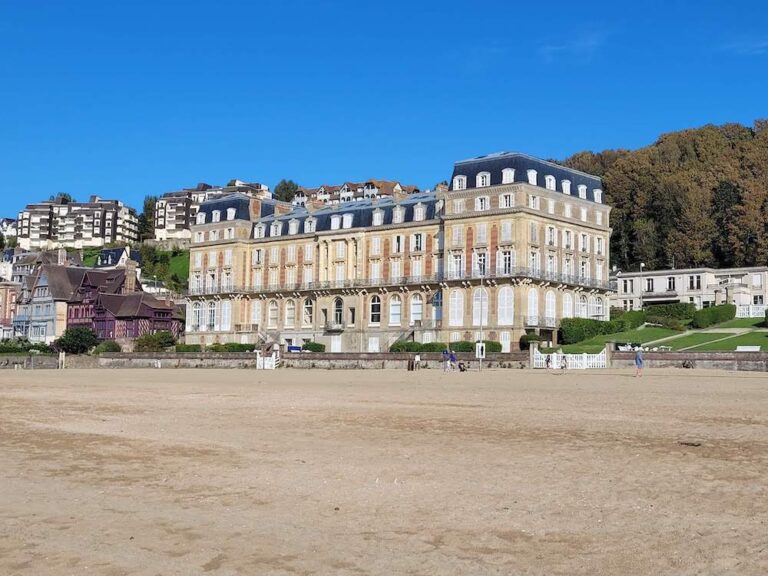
{"x":513,"y":245}
{"x":351,"y":192}
{"x":58,"y":223}
{"x":175,"y":212}
{"x":747,"y":288}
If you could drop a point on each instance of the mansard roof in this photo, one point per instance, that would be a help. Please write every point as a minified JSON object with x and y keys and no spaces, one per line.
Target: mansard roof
{"x":240,"y":202}
{"x":362,"y":212}
{"x":521,"y":163}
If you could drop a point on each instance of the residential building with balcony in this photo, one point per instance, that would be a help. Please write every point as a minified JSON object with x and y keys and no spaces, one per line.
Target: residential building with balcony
{"x":747,"y":288}
{"x":9,"y":292}
{"x":8,"y":227}
{"x":351,"y":192}
{"x":175,"y":212}
{"x":58,"y":223}
{"x":514,"y":245}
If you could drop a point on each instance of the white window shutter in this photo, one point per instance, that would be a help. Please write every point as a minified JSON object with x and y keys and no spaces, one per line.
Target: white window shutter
{"x":413,"y":242}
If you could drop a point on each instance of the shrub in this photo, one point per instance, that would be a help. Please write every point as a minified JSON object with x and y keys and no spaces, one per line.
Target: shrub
{"x":679,"y":310}
{"x":527,"y":338}
{"x":666,"y":322}
{"x":632,"y":319}
{"x":108,"y":346}
{"x":713,"y":315}
{"x":313,"y":347}
{"x":189,"y":348}
{"x":230,"y":347}
{"x":405,"y":346}
{"x":23,"y":347}
{"x":76,"y":340}
{"x":576,"y":330}
{"x":616,"y":312}
{"x":433,"y":347}
{"x":462,"y":346}
{"x":157,"y":342}
{"x":491,"y":346}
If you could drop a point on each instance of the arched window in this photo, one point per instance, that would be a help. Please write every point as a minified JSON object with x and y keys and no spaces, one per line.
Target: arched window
{"x":395,"y":310}
{"x":231,"y":213}
{"x":549,"y":305}
{"x":347,"y":223}
{"x":335,"y":222}
{"x":567,"y":306}
{"x":293,"y":227}
{"x":437,"y":305}
{"x":200,"y":218}
{"x":290,"y":313}
{"x":375,"y":310}
{"x":459,"y":182}
{"x":582,"y":313}
{"x":599,"y":310}
{"x":598,"y":194}
{"x":277,"y":228}
{"x":549,"y":182}
{"x":566,"y":184}
{"x":582,"y":191}
{"x":211,"y":315}
{"x":483,"y":179}
{"x":197,"y":316}
{"x":533,"y":303}
{"x":338,"y":311}
{"x":273,"y":313}
{"x":256,"y":312}
{"x":216,"y":216}
{"x":309,"y":312}
{"x":456,"y":308}
{"x":480,"y":307}
{"x":258,"y":231}
{"x":532,"y":177}
{"x":507,"y":176}
{"x":309,"y":225}
{"x":378,"y":217}
{"x":417,"y":308}
{"x":592,"y":307}
{"x":397,"y":214}
{"x":506,"y":305}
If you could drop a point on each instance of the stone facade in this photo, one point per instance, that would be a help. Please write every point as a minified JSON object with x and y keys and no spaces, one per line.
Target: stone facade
{"x":496,"y":256}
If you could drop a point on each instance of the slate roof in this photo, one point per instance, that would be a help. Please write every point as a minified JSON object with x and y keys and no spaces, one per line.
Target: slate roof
{"x":521,"y":163}
{"x":130,"y":305}
{"x":111,"y":256}
{"x":362,"y":212}
{"x":240,"y":202}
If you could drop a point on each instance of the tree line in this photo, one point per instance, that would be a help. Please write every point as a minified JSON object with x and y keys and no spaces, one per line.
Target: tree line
{"x":695,"y":197}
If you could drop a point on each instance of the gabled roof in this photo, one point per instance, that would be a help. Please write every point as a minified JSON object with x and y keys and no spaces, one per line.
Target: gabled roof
{"x":111,"y":256}
{"x":133,"y":305}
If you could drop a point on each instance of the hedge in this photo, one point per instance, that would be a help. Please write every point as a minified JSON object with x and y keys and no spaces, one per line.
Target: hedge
{"x":231,"y":347}
{"x":313,"y":347}
{"x":405,"y":346}
{"x":679,"y":310}
{"x":189,"y":348}
{"x":157,"y":342}
{"x":713,"y":315}
{"x":23,"y":347}
{"x":526,"y":339}
{"x":632,"y":319}
{"x":575,"y":330}
{"x":666,"y":322}
{"x":433,"y":347}
{"x":491,"y":346}
{"x":107,"y":346}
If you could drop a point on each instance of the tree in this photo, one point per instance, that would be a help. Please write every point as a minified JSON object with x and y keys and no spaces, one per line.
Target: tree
{"x":76,"y":340}
{"x":11,"y":242}
{"x":147,"y":218}
{"x":2,"y":241}
{"x":285,"y":190}
{"x":157,"y":342}
{"x":63,"y":196}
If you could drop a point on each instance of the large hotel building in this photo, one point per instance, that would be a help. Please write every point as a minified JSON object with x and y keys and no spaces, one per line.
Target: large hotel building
{"x":513,"y":246}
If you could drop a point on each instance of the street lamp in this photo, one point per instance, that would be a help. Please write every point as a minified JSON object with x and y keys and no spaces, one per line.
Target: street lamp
{"x":642,"y":265}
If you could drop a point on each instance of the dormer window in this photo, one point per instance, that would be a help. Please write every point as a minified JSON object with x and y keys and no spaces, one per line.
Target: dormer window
{"x":482,"y":203}
{"x":201,"y":217}
{"x":507,"y":176}
{"x":259,"y":231}
{"x":378,"y":217}
{"x":347,"y":221}
{"x":293,"y":227}
{"x":397,"y":215}
{"x":335,"y":222}
{"x":566,"y":184}
{"x":231,"y":212}
{"x":459,"y":182}
{"x":309,"y":225}
{"x":549,"y":182}
{"x":483,"y":179}
{"x":532,"y":177}
{"x":598,"y":195}
{"x":582,"y":191}
{"x":276,"y":229}
{"x":216,"y":216}
{"x":419,"y":213}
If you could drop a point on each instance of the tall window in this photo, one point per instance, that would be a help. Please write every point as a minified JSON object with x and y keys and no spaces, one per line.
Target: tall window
{"x":211,"y":315}
{"x":566,"y":184}
{"x":506,"y":305}
{"x":197,"y":316}
{"x":480,"y":307}
{"x":567,"y":306}
{"x":290,"y":313}
{"x":338,"y":311}
{"x":437,"y":305}
{"x":507,"y":176}
{"x":395,"y":310}
{"x":583,"y":313}
{"x":273,"y":313}
{"x":456,"y":308}
{"x":506,"y":201}
{"x":375,"y":310}
{"x":549,"y":182}
{"x":256,"y":312}
{"x":482,"y":203}
{"x":309,"y":312}
{"x":507,"y":262}
{"x":549,"y":305}
{"x":533,"y":303}
{"x":482,"y":233}
{"x":417,"y":308}
{"x":532,"y":177}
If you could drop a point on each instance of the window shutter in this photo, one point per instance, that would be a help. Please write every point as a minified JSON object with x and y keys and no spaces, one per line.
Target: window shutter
{"x":413,"y":242}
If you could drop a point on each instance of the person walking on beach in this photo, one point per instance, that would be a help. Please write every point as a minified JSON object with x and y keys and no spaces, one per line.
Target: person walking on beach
{"x":452,"y":358}
{"x":446,"y":360}
{"x":639,"y":363}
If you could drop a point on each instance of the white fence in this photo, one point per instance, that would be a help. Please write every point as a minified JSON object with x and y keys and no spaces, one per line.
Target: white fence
{"x":750,"y":311}
{"x":572,"y":361}
{"x":267,"y":362}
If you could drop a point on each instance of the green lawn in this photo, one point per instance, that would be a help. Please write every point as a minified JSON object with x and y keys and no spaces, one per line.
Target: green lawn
{"x":639,"y":336}
{"x":694,"y":339}
{"x":741,"y":323}
{"x":749,"y":339}
{"x":180,"y":265}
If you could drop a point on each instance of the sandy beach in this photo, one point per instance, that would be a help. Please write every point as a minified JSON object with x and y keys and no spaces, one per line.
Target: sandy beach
{"x":237,"y":472}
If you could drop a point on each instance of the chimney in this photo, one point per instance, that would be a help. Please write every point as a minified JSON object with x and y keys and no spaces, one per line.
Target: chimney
{"x":62,"y":259}
{"x":255,"y":209}
{"x":130,"y":276}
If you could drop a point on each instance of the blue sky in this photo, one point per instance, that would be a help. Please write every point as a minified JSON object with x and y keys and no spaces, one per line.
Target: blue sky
{"x":126,"y":99}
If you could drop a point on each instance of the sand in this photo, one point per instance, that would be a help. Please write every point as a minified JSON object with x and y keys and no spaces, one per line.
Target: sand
{"x":382,"y":472}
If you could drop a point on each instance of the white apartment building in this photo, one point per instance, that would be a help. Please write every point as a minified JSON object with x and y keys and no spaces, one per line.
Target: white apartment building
{"x":747,"y":288}
{"x":57,"y":223}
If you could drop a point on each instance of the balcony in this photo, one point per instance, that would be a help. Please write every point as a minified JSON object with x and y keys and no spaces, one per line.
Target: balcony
{"x":246,"y":328}
{"x":334,"y":327}
{"x":532,"y":320}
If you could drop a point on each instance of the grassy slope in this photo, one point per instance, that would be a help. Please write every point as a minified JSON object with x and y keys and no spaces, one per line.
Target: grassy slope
{"x":695,"y":339}
{"x":748,"y":339}
{"x":639,"y":336}
{"x":180,"y":265}
{"x":741,"y":323}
